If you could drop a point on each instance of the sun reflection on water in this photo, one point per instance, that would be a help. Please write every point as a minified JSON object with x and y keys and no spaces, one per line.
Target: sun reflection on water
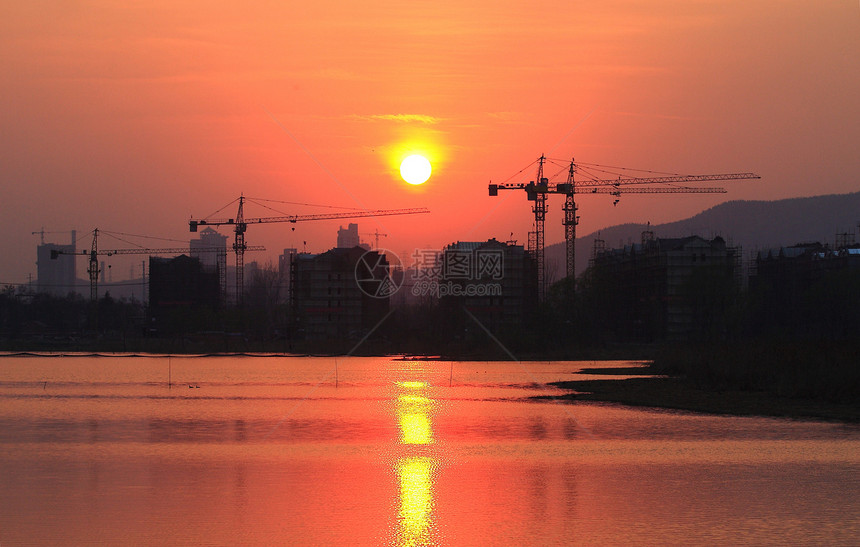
{"x":413,"y":416}
{"x":415,"y":469}
{"x":416,"y":499}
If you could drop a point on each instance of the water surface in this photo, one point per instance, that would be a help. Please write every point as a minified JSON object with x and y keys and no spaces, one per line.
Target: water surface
{"x":298,"y":450}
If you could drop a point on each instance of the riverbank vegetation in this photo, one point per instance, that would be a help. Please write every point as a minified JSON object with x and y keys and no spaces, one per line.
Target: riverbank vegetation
{"x":764,"y":350}
{"x":685,"y":393}
{"x":791,"y":368}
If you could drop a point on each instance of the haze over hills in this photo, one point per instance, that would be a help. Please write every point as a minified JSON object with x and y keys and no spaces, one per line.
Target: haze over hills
{"x":753,"y":225}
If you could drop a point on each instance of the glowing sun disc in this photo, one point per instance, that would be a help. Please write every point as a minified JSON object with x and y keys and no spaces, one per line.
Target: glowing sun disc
{"x":415,"y":169}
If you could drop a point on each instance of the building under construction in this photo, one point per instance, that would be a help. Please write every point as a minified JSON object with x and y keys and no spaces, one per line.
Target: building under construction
{"x":338,"y":294}
{"x":789,"y":270}
{"x":664,"y":289}
{"x":183,"y":295}
{"x":809,"y":284}
{"x":493,"y":281}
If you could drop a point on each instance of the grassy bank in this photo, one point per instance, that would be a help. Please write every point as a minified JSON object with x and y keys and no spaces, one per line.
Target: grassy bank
{"x":681,"y":394}
{"x":796,"y":380}
{"x":789,"y":368}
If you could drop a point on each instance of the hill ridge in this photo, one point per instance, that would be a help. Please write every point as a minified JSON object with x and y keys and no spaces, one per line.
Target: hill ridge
{"x":750,"y":224}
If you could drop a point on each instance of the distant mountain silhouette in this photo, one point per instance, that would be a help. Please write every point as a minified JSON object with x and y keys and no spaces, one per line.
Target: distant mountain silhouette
{"x":753,"y":225}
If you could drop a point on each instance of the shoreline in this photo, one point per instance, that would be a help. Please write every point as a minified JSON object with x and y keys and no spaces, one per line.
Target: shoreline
{"x":645,"y":388}
{"x":679,"y":393}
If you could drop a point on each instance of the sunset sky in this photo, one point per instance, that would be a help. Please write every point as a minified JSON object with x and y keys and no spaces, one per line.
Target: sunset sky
{"x":134,"y":116}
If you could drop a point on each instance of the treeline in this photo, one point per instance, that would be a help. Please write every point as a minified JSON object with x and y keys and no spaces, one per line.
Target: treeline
{"x":785,"y":366}
{"x":42,"y":319}
{"x":803,"y":343}
{"x":74,"y":323}
{"x":799,"y":343}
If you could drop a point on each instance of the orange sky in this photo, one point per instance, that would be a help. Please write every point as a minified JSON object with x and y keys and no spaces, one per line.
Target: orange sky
{"x":134,"y":116}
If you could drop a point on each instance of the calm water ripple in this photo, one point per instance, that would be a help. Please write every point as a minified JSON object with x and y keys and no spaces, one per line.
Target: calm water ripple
{"x":227,"y":450}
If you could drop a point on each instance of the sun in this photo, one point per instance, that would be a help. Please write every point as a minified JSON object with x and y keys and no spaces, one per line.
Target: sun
{"x":415,"y":169}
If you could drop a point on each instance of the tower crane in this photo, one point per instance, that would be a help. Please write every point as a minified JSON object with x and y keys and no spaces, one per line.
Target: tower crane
{"x":94,"y":253}
{"x":42,"y":233}
{"x":241,"y":226}
{"x":377,"y":234}
{"x":538,"y":192}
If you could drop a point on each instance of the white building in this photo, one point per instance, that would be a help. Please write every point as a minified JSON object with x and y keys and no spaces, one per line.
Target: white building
{"x":55,"y":268}
{"x":348,"y":238}
{"x":210,"y":248}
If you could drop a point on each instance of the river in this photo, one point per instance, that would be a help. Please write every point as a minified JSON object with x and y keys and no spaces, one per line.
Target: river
{"x":226,"y":450}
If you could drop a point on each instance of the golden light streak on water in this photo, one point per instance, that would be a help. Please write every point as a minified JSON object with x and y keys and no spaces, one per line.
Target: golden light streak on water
{"x":413,"y":409}
{"x":412,"y":385}
{"x":415,"y":429}
{"x":413,"y":414}
{"x":416,"y":499}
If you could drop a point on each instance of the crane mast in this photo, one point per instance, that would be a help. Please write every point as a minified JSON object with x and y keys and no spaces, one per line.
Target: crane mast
{"x":241,"y":223}
{"x":239,"y":248}
{"x":536,"y":243}
{"x":93,"y":267}
{"x":538,"y":191}
{"x":570,"y":221}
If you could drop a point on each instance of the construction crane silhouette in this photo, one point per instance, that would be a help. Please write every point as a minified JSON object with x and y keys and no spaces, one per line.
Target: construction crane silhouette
{"x":241,"y":226}
{"x":377,"y":235}
{"x":94,"y":252}
{"x":538,"y":192}
{"x":42,"y":233}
